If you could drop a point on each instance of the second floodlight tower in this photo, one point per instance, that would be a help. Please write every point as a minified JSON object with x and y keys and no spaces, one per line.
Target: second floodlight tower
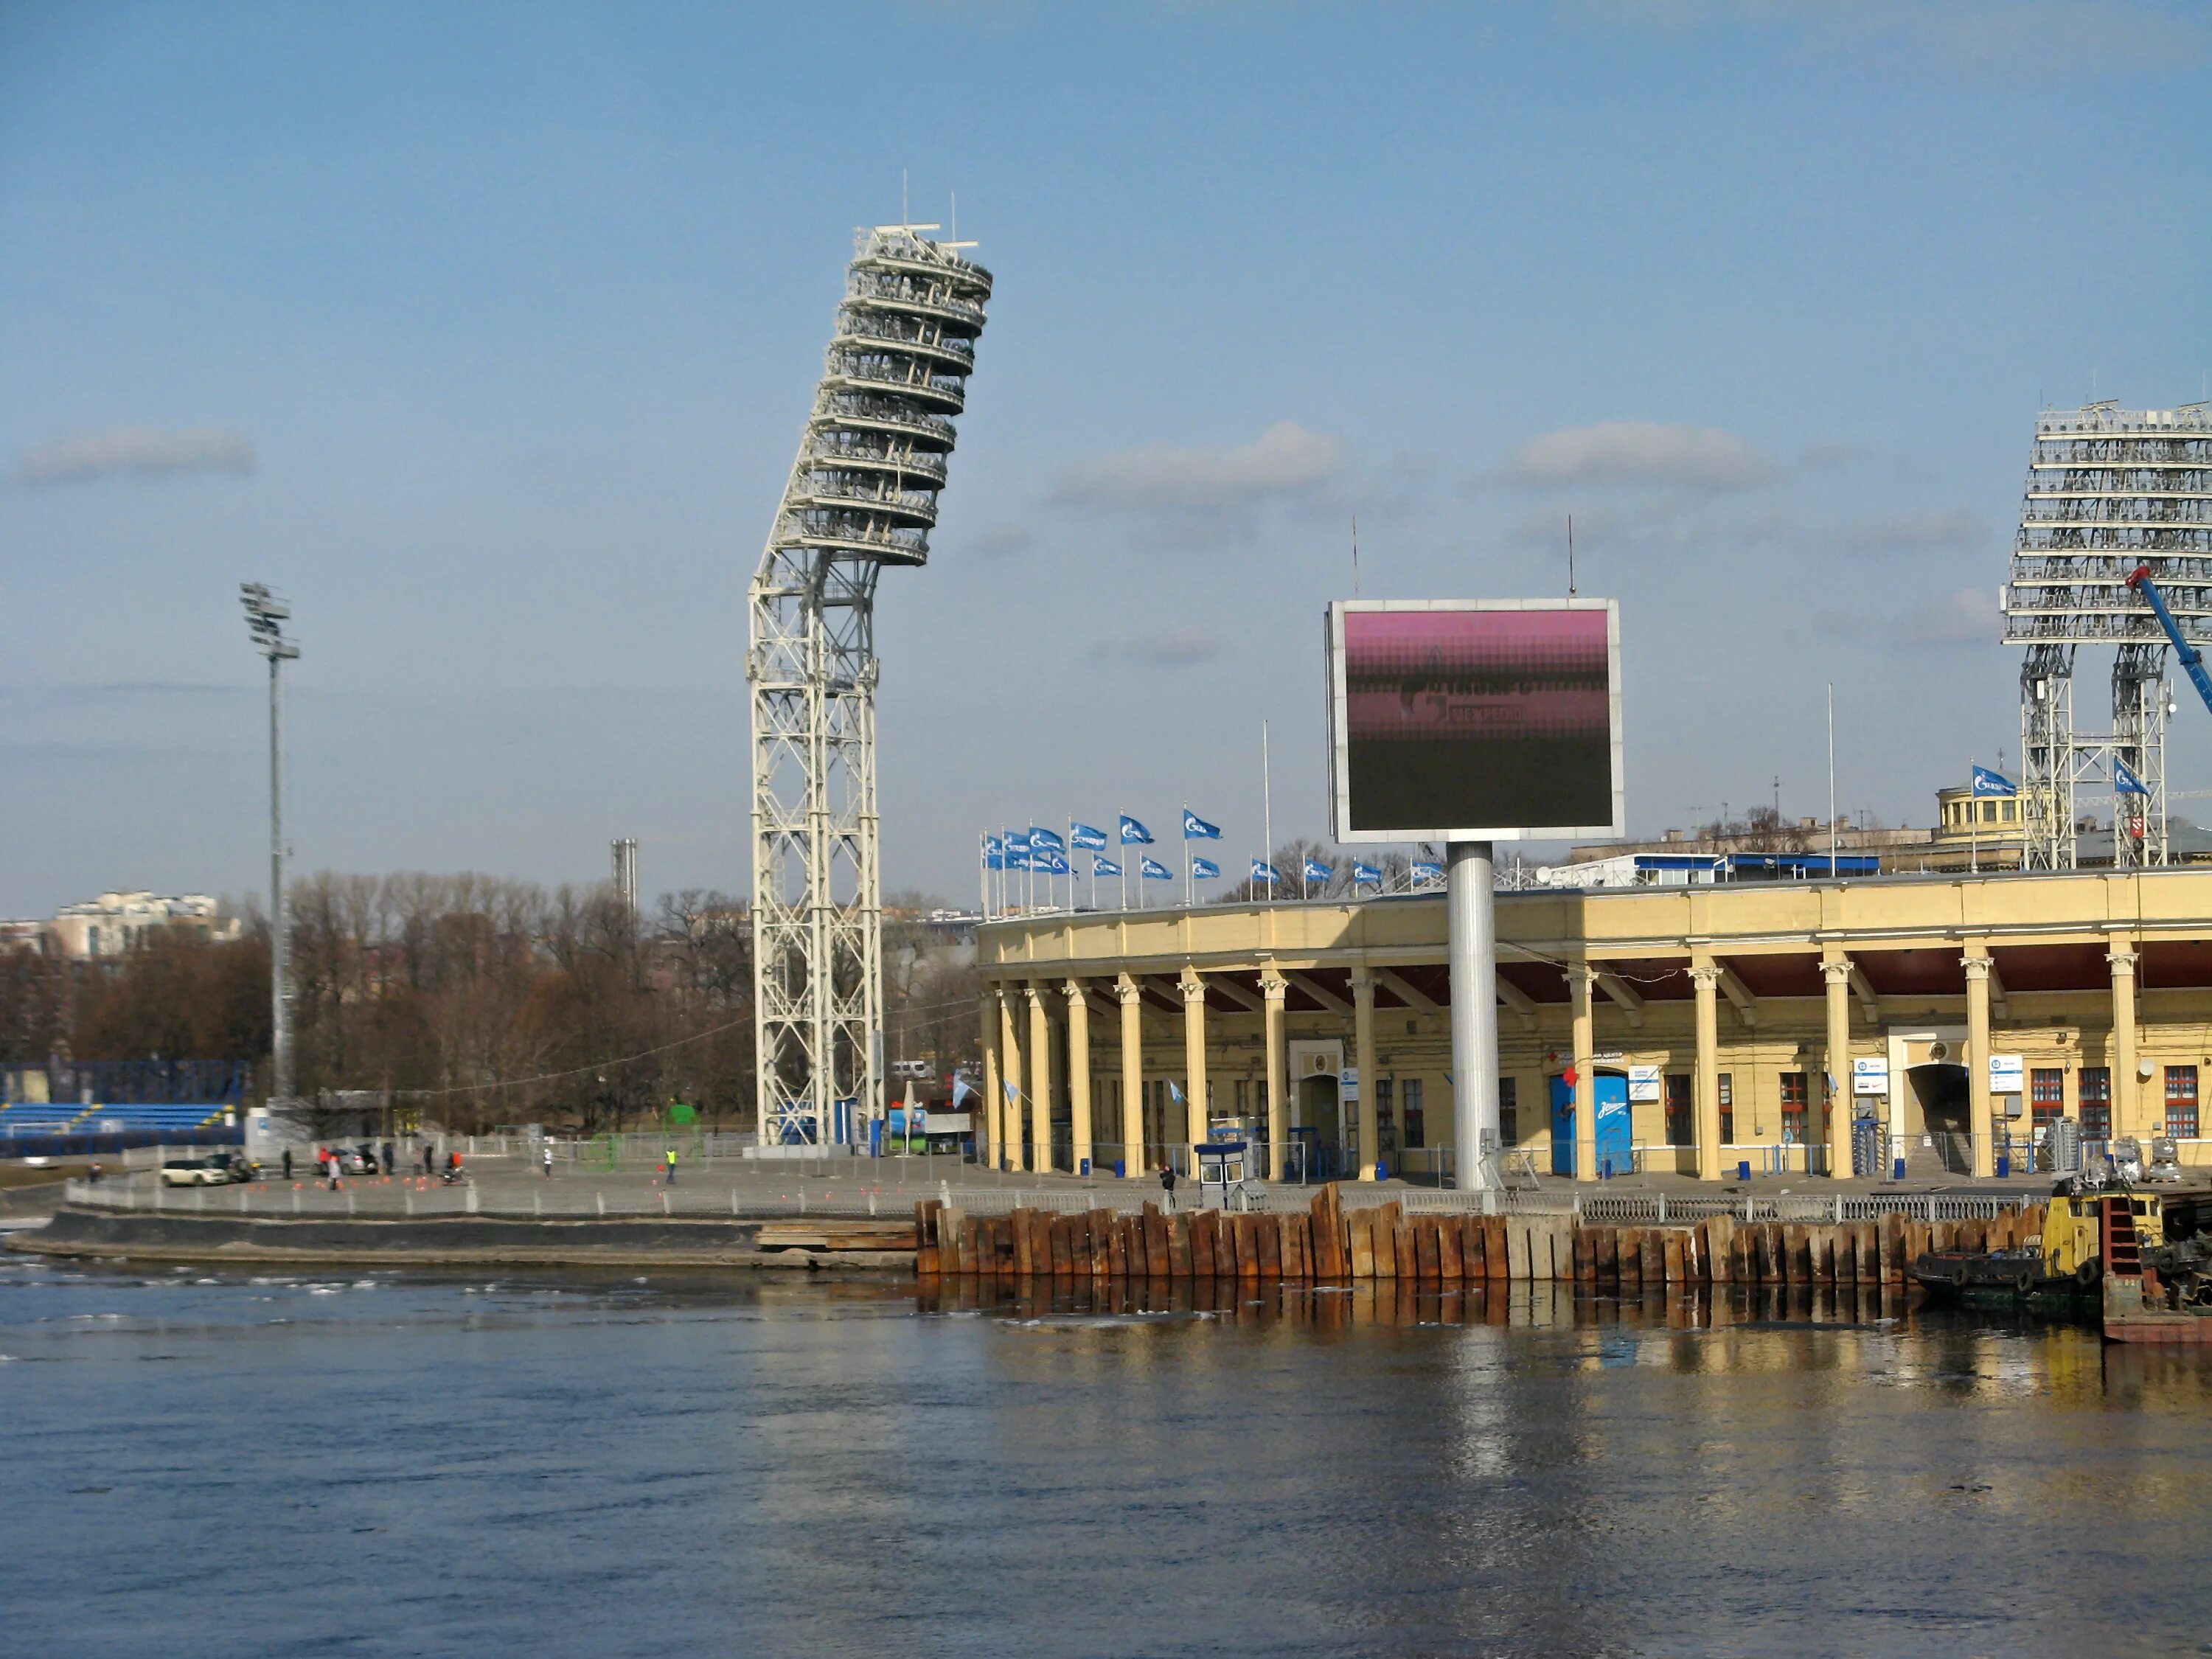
{"x":862,"y":495}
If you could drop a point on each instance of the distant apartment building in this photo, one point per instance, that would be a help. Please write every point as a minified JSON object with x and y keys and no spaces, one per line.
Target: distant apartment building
{"x":117,"y":923}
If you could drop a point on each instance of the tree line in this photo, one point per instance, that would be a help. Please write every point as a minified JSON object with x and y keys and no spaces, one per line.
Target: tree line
{"x":474,"y":1001}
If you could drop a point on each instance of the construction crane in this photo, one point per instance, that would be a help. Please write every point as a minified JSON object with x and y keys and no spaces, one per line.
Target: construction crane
{"x":2192,"y":659}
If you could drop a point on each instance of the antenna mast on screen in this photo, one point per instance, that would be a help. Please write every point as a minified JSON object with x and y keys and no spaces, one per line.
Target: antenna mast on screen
{"x":1570,"y":556}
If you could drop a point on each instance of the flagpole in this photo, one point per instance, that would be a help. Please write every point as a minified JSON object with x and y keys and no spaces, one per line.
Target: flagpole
{"x":1189,"y":875}
{"x":1974,"y":824}
{"x":1834,"y":874}
{"x":1267,"y":814}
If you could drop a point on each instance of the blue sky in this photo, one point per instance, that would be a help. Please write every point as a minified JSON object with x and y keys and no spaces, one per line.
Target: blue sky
{"x":486,"y":334}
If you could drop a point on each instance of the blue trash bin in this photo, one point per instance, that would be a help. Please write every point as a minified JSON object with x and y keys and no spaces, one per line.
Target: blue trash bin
{"x":1120,"y":1170}
{"x":2004,"y":1164}
{"x":1897,"y":1170}
{"x":1743,"y":1170}
{"x":1382,"y":1170}
{"x":1085,"y":1169}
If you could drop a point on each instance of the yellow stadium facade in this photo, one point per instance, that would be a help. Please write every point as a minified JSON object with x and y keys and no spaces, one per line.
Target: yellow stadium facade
{"x":1951,"y":1022}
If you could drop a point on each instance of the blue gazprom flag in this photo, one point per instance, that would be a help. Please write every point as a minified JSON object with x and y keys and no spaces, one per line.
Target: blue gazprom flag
{"x":1205,"y":869}
{"x":1153,"y":870}
{"x":1017,"y":861}
{"x":1084,"y":836}
{"x":1428,"y":872}
{"x":1195,"y":828}
{"x":1048,"y":864}
{"x":1263,"y":871}
{"x":2124,"y":781}
{"x":1317,"y":870}
{"x":1046,"y":840}
{"x":1367,"y":873}
{"x":1134,"y":833}
{"x":1104,"y":867}
{"x":1018,"y":841}
{"x":1987,"y":782}
{"x":995,"y":852}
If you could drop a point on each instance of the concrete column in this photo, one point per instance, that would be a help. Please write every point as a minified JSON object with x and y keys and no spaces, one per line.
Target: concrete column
{"x":1705,"y":982}
{"x":2127,"y":1088}
{"x":1010,"y":1048}
{"x":1838,"y":975}
{"x":994,"y":1100}
{"x":1580,"y":978}
{"x":1040,"y":1082}
{"x":1133,"y":1075}
{"x":1274,"y":988}
{"x":1363,"y":1051}
{"x":1983,"y":1114}
{"x":1194,"y":1123}
{"x":1078,"y":1073}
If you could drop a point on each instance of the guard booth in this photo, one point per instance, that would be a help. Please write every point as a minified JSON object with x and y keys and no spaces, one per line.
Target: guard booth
{"x":1616,"y":1153}
{"x":1222,"y":1170}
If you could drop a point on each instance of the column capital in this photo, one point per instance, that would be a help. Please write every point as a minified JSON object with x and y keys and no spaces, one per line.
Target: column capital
{"x":1363,"y":985}
{"x":1581,"y":976}
{"x":1036,"y":989}
{"x":1836,"y":973}
{"x":2123,"y":962}
{"x":1193,"y":985}
{"x":1706,"y":976}
{"x":1273,"y":985}
{"x":1127,"y":989}
{"x":1977,"y":968}
{"x":1074,"y":990}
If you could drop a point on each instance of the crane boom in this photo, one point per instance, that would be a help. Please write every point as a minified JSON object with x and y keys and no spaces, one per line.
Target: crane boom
{"x":2192,"y":659}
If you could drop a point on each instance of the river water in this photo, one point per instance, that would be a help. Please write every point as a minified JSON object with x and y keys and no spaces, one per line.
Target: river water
{"x":380,"y":1464}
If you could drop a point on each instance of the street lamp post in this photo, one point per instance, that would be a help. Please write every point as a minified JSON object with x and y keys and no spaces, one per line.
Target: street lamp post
{"x":265,"y":615}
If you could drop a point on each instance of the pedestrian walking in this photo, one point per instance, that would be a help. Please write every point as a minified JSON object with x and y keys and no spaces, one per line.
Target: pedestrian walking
{"x":548,"y":1160}
{"x":1167,"y":1188}
{"x":388,"y":1161}
{"x":672,"y":1166}
{"x":288,"y":1163}
{"x":429,"y":1167}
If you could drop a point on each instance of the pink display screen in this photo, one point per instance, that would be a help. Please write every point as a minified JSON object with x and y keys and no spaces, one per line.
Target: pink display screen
{"x":1478,"y":719}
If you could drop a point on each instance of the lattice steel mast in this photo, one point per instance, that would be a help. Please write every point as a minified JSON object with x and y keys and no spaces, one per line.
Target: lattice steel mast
{"x":2108,"y":490}
{"x":862,"y":494}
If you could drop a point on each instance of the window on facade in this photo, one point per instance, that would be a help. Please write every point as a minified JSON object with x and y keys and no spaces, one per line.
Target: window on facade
{"x":2181,"y":1101}
{"x":1728,"y":1109}
{"x":2046,"y":1094}
{"x":1681,"y":1120}
{"x":1416,"y":1121}
{"x":1386,"y":1114}
{"x":1793,"y":1107}
{"x":1508,"y":1114}
{"x":2096,"y":1103}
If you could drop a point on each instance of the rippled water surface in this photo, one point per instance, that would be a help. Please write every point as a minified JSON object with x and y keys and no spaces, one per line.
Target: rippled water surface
{"x":374,"y":1463}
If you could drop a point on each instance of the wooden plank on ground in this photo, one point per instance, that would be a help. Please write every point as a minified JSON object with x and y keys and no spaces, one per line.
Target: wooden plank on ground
{"x":1674,"y":1265}
{"x":1517,"y":1247}
{"x":1428,"y":1250}
{"x":1179,"y":1246}
{"x":1205,"y":1243}
{"x":1451,"y":1265}
{"x":1271,"y":1245}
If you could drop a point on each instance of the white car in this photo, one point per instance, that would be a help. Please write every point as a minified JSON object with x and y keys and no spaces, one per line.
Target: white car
{"x":197,"y":1172}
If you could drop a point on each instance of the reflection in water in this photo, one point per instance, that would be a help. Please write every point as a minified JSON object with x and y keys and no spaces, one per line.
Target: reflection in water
{"x":685,"y":1463}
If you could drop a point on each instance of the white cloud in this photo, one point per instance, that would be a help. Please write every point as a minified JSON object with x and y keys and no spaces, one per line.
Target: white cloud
{"x":1946,"y":529}
{"x":1968,"y":615}
{"x":1171,"y":648}
{"x":1000,"y":541}
{"x":1641,"y":453}
{"x":1285,"y":460}
{"x":142,"y":452}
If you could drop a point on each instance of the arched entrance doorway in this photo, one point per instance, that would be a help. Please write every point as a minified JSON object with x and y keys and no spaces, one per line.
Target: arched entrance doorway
{"x":1616,"y":1140}
{"x":1318,"y":1133}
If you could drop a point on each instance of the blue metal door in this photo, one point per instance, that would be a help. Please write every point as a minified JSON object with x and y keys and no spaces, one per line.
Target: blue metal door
{"x":1563,"y":1127}
{"x":1615,"y":1141}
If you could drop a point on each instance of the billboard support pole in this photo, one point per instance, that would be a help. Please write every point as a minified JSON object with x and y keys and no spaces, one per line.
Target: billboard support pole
{"x":1472,"y":951}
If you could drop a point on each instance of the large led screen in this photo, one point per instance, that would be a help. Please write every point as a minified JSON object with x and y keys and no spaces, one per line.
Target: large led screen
{"x":1466,"y":721}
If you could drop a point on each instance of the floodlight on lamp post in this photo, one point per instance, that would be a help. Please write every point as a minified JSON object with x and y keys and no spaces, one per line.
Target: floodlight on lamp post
{"x":265,"y":616}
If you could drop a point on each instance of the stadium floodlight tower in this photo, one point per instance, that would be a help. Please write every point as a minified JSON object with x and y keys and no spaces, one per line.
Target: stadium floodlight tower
{"x":862,"y":495}
{"x":2108,"y":490}
{"x":265,"y":616}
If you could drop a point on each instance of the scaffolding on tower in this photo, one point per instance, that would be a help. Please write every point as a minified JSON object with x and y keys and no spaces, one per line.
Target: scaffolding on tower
{"x":862,"y":495}
{"x":2109,"y":490}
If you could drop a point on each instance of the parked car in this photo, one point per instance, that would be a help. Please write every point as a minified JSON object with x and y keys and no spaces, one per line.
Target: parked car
{"x":197,"y":1172}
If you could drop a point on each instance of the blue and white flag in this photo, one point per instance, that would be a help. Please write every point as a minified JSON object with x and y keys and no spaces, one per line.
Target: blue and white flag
{"x":995,"y":857}
{"x":1195,"y":828}
{"x":1205,"y":869}
{"x":1046,"y":840}
{"x":1317,"y":870}
{"x":1174,"y":1093}
{"x":1153,"y":870}
{"x":1017,"y":861}
{"x":1048,"y":864}
{"x":1134,"y":833}
{"x":1428,"y":872}
{"x":2124,"y":781}
{"x":1013,"y":1095}
{"x":961,"y":1090}
{"x":1987,"y":782}
{"x":1082,"y":836}
{"x":1104,"y":867}
{"x":1366,"y":874}
{"x":1018,"y":841}
{"x":1263,"y":871}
